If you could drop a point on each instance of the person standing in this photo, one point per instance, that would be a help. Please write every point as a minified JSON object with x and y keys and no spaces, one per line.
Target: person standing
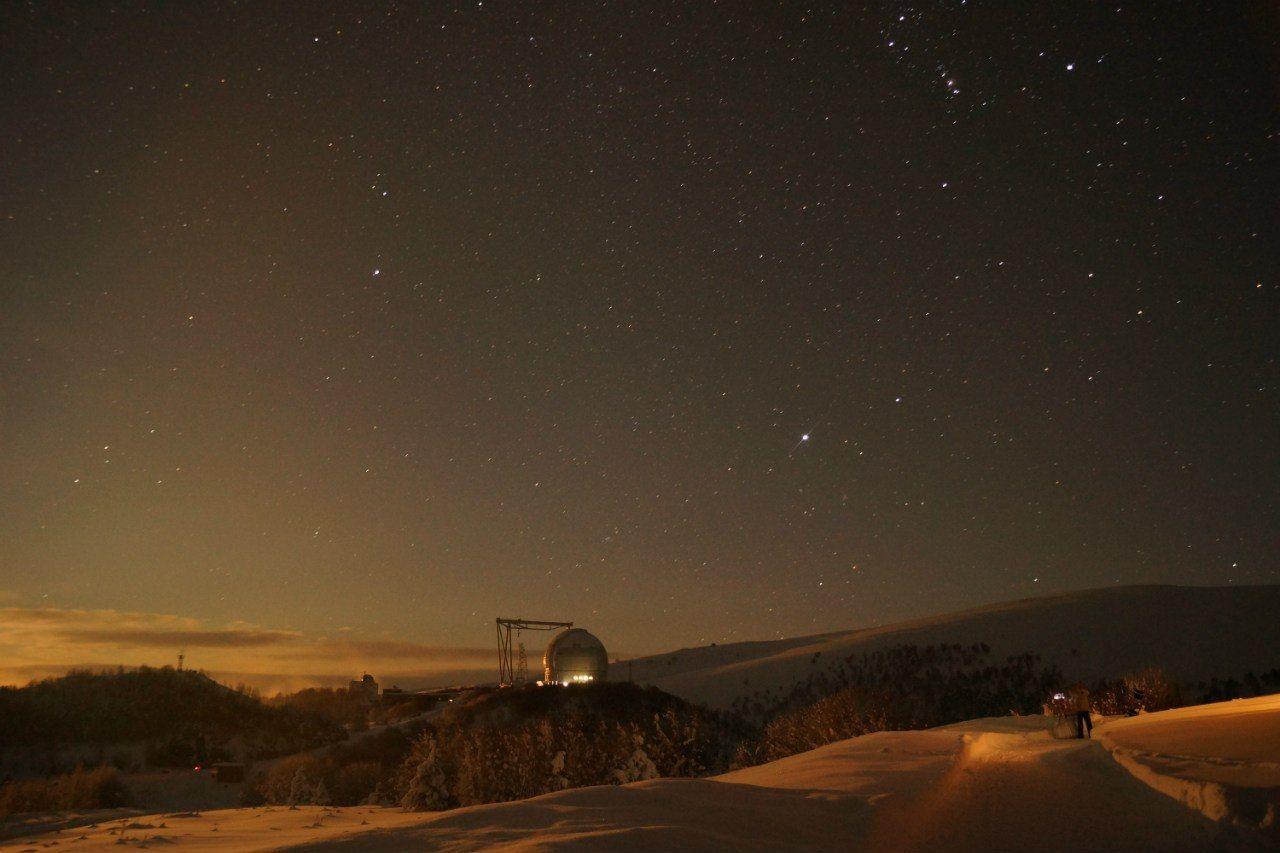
{"x":1079,"y":696}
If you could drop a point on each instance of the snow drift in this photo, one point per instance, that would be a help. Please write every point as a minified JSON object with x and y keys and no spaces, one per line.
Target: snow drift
{"x":1222,"y":759}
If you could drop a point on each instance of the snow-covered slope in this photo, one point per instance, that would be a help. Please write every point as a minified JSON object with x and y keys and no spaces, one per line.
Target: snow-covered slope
{"x":1221,"y":759}
{"x":985,"y":785}
{"x":1195,"y":633}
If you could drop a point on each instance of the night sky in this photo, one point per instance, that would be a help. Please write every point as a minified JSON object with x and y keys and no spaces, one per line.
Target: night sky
{"x":382,"y":320}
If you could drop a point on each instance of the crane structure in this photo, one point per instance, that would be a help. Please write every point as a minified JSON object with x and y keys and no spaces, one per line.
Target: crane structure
{"x":509,"y":672}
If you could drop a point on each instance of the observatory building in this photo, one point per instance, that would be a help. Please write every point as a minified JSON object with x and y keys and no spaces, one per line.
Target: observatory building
{"x":575,"y":657}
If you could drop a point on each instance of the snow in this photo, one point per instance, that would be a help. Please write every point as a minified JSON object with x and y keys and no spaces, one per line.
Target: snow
{"x":995,"y":784}
{"x":1221,"y":759}
{"x":1090,"y":634}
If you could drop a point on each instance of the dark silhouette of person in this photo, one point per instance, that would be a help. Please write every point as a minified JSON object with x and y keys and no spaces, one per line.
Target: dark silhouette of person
{"x":1079,"y":696}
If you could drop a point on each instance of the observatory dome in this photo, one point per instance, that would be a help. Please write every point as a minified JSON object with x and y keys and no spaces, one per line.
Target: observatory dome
{"x":575,"y":657}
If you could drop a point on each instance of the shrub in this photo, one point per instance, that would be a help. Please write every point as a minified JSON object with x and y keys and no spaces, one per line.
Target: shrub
{"x":287,"y":780}
{"x":1147,"y":690}
{"x":350,"y":773}
{"x":339,"y":706}
{"x":1217,"y":690}
{"x":99,"y":788}
{"x":352,"y":784}
{"x":898,"y":688}
{"x":1153,"y":690}
{"x":397,"y":712}
{"x":251,"y":795}
{"x":848,"y":713}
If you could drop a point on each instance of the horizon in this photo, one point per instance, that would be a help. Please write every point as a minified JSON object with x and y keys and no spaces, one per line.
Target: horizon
{"x":363,"y":654}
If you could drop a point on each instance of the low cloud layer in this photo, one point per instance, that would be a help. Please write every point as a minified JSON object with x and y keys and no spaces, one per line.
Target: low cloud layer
{"x":41,"y":642}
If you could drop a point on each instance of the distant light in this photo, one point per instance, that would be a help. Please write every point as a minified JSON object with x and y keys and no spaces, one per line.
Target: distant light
{"x":804,"y":437}
{"x":1071,"y":66}
{"x":377,"y":272}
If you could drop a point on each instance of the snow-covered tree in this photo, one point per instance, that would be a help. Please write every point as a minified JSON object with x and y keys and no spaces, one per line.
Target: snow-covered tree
{"x":427,"y":789}
{"x":300,"y":790}
{"x":558,"y":780}
{"x":628,"y":755}
{"x":638,"y":767}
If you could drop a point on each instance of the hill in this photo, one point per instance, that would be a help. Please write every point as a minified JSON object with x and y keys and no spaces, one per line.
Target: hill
{"x":163,"y":717}
{"x":1194,"y":633}
{"x":495,"y":744}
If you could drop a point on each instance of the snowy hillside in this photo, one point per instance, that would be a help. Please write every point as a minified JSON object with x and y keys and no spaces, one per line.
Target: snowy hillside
{"x":984,"y":785}
{"x":1221,"y":759}
{"x":1193,"y":632}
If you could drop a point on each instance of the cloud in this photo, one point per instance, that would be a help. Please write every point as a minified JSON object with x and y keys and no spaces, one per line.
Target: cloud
{"x":184,"y":639}
{"x":39,"y":642}
{"x":390,"y":650}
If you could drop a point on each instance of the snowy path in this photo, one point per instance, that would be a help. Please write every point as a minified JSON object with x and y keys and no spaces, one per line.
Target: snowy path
{"x":1025,"y":791}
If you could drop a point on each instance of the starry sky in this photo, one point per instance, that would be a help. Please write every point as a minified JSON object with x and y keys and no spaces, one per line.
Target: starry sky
{"x":379,"y":320}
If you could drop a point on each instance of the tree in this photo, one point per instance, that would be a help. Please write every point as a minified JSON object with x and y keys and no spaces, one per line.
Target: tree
{"x":300,"y":790}
{"x":428,"y":790}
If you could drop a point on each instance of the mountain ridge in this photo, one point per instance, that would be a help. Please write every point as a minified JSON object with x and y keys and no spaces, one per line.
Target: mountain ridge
{"x":1193,"y":632}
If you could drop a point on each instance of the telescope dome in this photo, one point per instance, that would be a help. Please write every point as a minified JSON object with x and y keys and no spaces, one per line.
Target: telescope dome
{"x":575,"y":656}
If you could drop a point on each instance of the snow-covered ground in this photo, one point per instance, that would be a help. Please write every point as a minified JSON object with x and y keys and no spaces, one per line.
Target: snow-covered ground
{"x":994,"y":784}
{"x":1221,"y":759}
{"x":1201,"y":632}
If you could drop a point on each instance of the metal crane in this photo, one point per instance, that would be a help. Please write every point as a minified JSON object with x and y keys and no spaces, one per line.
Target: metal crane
{"x":509,"y":672}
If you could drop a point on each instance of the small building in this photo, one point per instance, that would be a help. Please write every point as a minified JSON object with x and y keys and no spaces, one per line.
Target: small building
{"x":420,"y":701}
{"x":365,"y":687}
{"x":228,"y":772}
{"x":575,"y":656}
